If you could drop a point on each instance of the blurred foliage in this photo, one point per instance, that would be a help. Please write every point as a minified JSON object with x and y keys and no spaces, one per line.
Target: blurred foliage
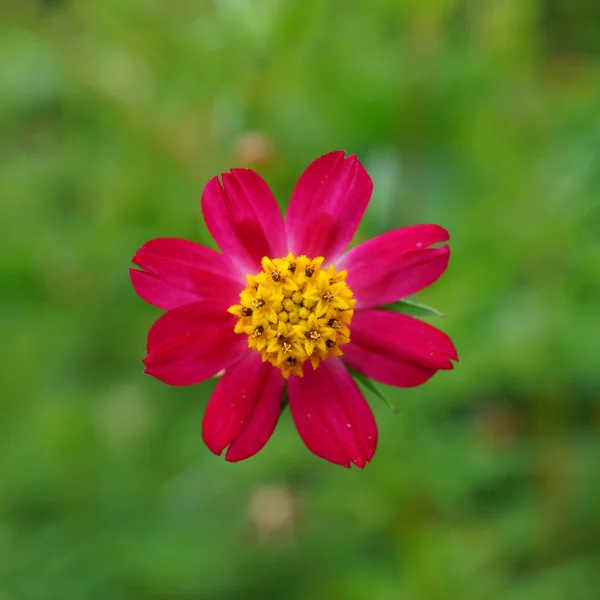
{"x":480,"y":115}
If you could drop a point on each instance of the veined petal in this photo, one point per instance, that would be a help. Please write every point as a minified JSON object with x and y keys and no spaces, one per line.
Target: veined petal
{"x":244,"y":408}
{"x":191,"y":343}
{"x":332,"y":416}
{"x":327,"y":205}
{"x":397,"y":349}
{"x":395,"y":265}
{"x":243,"y":218}
{"x":177,"y":272}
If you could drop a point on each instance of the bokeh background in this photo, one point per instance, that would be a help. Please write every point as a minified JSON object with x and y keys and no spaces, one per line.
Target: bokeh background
{"x":480,"y":115}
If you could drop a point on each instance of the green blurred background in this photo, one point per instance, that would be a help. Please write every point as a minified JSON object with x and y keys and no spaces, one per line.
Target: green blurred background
{"x":482,"y":116}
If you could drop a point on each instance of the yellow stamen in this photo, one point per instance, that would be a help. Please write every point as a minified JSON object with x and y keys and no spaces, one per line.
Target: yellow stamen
{"x":295,"y":311}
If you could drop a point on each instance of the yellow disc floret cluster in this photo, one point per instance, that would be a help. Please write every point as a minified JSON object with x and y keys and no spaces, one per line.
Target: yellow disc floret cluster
{"x":294,"y":311}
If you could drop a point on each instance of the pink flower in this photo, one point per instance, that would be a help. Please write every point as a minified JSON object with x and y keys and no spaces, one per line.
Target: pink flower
{"x":284,"y":303}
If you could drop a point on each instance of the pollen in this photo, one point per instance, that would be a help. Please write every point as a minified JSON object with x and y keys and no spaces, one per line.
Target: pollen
{"x":295,"y":311}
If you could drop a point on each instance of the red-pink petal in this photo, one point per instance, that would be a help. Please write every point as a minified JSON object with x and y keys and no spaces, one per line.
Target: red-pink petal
{"x":191,"y":343}
{"x":397,"y":349}
{"x":243,"y":410}
{"x":244,"y":219}
{"x":332,"y":416}
{"x":177,"y":272}
{"x":327,"y":205}
{"x":395,"y":265}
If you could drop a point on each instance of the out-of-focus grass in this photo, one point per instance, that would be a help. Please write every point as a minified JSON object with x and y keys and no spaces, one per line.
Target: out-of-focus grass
{"x":481,"y":116}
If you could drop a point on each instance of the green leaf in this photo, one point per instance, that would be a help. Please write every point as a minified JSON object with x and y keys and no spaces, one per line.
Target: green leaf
{"x":414,"y":309}
{"x":369,"y":385}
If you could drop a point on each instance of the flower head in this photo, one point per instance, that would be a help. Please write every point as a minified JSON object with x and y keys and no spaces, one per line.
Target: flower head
{"x":283,"y":304}
{"x":295,"y":311}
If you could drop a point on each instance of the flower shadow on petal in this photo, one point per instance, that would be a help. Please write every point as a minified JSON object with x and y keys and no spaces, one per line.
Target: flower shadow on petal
{"x":244,"y":408}
{"x":332,"y":416}
{"x":192,"y":343}
{"x":397,"y":349}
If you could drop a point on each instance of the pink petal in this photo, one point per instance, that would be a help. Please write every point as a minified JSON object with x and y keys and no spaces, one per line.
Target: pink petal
{"x":395,"y":265}
{"x":243,"y":410}
{"x":327,"y":205}
{"x":397,"y":349}
{"x":177,"y":272}
{"x":191,"y":343}
{"x":244,"y":219}
{"x":332,"y":416}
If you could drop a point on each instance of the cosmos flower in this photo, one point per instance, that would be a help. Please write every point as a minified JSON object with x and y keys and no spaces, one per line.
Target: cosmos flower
{"x":284,"y":304}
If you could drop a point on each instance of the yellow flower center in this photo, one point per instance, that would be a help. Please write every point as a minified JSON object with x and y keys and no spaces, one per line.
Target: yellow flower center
{"x":294,"y":311}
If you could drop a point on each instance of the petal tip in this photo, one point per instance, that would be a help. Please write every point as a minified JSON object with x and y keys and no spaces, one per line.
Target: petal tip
{"x":232,"y":456}
{"x":444,"y":233}
{"x":215,"y":450}
{"x":241,"y":172}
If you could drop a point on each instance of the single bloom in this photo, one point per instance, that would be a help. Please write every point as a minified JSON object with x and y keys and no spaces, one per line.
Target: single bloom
{"x":284,"y":303}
